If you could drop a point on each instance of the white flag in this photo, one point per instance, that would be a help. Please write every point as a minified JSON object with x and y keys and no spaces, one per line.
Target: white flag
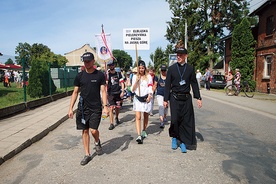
{"x":103,"y":46}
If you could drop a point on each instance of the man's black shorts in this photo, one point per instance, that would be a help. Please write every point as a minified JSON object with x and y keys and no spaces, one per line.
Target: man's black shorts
{"x":114,"y":100}
{"x":92,"y":118}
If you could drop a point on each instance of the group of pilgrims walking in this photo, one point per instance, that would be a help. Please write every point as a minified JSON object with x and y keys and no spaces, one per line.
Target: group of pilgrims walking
{"x":101,"y":96}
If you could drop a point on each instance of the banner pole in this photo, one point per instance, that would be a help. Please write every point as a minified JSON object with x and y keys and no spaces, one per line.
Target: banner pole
{"x":136,"y":56}
{"x":137,"y":66}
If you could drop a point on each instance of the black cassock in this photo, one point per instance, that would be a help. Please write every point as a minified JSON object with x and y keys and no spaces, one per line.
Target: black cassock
{"x":179,"y":81}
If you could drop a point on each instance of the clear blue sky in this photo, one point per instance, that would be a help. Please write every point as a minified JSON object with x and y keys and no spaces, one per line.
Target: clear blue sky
{"x":65,"y":25}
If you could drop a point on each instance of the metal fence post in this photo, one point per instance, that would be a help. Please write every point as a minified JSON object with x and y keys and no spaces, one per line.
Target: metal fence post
{"x":49,"y":71}
{"x":24,"y":80}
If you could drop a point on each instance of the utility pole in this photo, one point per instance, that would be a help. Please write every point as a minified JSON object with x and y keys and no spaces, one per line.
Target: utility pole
{"x":186,"y":31}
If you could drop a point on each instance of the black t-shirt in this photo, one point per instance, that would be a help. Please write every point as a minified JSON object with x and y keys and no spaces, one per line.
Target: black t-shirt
{"x":114,"y":80}
{"x":90,"y":86}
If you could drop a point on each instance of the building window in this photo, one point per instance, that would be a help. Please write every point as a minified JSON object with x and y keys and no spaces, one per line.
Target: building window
{"x":267,"y":66}
{"x":269,"y":25}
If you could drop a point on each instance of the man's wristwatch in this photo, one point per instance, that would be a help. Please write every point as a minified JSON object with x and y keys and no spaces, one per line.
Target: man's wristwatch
{"x":200,"y":98}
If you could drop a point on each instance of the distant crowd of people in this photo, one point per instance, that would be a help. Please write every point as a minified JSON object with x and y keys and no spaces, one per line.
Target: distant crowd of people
{"x":13,"y":76}
{"x":229,"y":78}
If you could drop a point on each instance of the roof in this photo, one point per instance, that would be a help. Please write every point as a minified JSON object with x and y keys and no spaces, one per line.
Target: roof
{"x":259,"y":10}
{"x":10,"y":66}
{"x":79,"y":49}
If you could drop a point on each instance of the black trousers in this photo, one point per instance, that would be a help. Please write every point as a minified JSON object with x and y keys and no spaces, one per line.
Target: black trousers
{"x":208,"y":84}
{"x":183,"y":122}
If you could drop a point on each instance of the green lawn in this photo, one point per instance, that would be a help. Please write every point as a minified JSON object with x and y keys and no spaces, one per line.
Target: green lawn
{"x":13,"y":95}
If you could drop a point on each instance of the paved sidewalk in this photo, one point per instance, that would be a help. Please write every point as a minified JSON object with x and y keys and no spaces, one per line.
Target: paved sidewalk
{"x":20,"y":131}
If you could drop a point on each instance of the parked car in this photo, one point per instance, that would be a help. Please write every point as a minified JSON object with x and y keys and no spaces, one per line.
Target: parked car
{"x":218,"y":81}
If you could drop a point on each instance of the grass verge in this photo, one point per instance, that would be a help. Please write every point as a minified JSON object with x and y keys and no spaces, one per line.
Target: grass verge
{"x":13,"y":95}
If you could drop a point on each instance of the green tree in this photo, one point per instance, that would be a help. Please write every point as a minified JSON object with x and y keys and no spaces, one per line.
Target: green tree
{"x":58,"y":60}
{"x":23,"y":51}
{"x":134,"y":64}
{"x":34,"y":89}
{"x":38,"y":56}
{"x":207,"y":21}
{"x":9,"y":61}
{"x":39,"y":79}
{"x":123,"y":59}
{"x":158,"y":58}
{"x":243,"y":51}
{"x":36,"y":51}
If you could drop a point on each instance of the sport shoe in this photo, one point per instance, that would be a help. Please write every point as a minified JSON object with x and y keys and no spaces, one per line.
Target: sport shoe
{"x":139,"y":140}
{"x":162,"y":125}
{"x":85,"y":160}
{"x":174,"y":143}
{"x":98,"y":148}
{"x":144,"y":134}
{"x":117,"y":121}
{"x":151,"y":114}
{"x":111,"y":127}
{"x":183,"y":148}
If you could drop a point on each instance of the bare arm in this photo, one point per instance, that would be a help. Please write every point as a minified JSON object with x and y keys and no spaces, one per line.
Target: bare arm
{"x":135,"y":83}
{"x":73,"y":101}
{"x":104,"y":99}
{"x":154,"y":86}
{"x":123,"y":89}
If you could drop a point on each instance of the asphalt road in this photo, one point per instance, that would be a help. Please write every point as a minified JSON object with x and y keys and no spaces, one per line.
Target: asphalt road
{"x":235,"y":145}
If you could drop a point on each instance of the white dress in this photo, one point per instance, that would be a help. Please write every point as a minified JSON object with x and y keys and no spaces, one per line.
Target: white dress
{"x":145,"y":88}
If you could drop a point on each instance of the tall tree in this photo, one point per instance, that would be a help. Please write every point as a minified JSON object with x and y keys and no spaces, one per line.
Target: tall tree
{"x":39,"y":56}
{"x":207,"y":21}
{"x":243,"y":51}
{"x":36,"y":51}
{"x":23,"y":51}
{"x":158,"y":58}
{"x":123,"y":59}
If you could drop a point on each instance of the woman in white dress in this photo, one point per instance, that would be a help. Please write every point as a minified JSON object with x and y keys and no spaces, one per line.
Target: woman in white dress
{"x":142,"y":87}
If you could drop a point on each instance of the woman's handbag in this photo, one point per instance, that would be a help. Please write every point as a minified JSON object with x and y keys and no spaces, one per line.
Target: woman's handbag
{"x":142,"y":98}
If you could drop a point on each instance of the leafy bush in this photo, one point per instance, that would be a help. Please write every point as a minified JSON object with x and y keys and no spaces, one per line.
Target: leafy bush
{"x":39,"y":79}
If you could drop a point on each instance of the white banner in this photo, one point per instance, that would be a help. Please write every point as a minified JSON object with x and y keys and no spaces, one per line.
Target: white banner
{"x":136,"y":36}
{"x":103,"y":46}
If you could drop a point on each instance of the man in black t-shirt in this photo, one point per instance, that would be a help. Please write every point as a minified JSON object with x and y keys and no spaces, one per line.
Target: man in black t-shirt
{"x":115,"y":91}
{"x":91,"y":84}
